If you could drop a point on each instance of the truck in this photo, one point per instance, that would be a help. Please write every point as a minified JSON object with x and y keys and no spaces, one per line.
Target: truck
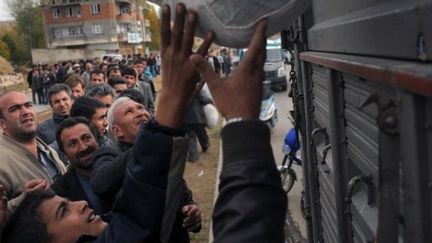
{"x":362,"y":93}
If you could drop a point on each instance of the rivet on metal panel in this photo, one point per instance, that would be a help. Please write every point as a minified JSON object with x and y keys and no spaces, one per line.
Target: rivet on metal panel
{"x":388,"y":120}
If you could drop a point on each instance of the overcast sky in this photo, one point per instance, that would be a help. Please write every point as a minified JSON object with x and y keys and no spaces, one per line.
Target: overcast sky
{"x":4,"y":11}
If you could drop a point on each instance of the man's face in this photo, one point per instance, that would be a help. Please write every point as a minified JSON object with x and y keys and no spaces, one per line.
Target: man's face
{"x":140,"y":67}
{"x":79,"y":145}
{"x":107,"y":100}
{"x":128,"y":116}
{"x":89,"y":67}
{"x":115,"y":72}
{"x":66,"y":221}
{"x":78,"y":91}
{"x":97,"y":78}
{"x":61,"y":103}
{"x":19,"y":117}
{"x":130,"y":79}
{"x":100,"y":121}
{"x":119,"y":88}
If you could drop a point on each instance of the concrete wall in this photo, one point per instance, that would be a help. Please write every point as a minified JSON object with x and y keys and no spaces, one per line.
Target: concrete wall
{"x":57,"y":55}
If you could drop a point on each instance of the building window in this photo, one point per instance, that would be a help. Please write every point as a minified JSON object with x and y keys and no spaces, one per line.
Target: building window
{"x":74,"y":11}
{"x":123,"y":28}
{"x":124,"y":9}
{"x":56,"y":12}
{"x":96,"y":28}
{"x":75,"y":31}
{"x":58,"y":33}
{"x":95,"y":9}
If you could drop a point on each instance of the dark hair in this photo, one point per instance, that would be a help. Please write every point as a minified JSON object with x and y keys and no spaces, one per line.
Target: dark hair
{"x":26,"y":224}
{"x":116,"y":80}
{"x":134,"y":95}
{"x":57,"y":88}
{"x":97,"y":72}
{"x":111,"y":68}
{"x":139,"y":61}
{"x":74,"y":80}
{"x":101,"y":90}
{"x":129,"y":71}
{"x":70,"y":122}
{"x":86,"y":107}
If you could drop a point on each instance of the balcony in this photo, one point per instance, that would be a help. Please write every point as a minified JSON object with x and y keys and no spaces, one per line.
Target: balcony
{"x":64,"y":2}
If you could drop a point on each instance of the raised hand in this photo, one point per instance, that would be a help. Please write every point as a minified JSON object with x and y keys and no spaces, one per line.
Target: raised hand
{"x":192,"y":218}
{"x":179,"y":77}
{"x":36,"y":184}
{"x":240,"y":94}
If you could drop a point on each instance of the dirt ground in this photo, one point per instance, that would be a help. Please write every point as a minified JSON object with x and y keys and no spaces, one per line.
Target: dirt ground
{"x":201,"y":178}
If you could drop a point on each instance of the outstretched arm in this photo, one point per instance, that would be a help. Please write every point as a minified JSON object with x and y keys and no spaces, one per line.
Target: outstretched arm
{"x":251,"y":205}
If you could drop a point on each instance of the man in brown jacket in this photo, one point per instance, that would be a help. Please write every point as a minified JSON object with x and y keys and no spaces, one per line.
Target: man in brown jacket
{"x":23,"y":156}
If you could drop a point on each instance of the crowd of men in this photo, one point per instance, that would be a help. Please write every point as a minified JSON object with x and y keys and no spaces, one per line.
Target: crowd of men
{"x":108,"y":166}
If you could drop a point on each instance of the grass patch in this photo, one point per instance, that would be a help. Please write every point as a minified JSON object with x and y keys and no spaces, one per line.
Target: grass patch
{"x":201,"y":177}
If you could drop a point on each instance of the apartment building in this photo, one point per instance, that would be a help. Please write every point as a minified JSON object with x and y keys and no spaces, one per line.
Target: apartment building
{"x":108,"y":25}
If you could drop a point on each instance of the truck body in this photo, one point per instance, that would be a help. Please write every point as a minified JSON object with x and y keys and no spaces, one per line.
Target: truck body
{"x":362,"y":94}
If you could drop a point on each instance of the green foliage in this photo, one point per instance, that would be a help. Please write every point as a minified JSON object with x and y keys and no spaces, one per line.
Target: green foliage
{"x":30,"y":30}
{"x":17,"y":48}
{"x":154,"y":28}
{"x":4,"y":50}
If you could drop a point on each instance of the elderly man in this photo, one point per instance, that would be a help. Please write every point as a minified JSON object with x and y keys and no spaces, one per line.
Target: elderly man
{"x":125,"y":118}
{"x":23,"y":156}
{"x":86,"y":74}
{"x":60,"y":100}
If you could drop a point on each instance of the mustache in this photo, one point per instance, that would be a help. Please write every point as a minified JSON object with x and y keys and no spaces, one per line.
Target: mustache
{"x":86,"y":152}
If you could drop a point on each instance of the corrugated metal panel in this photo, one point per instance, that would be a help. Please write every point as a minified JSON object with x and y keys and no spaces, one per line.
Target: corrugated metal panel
{"x":362,"y":150}
{"x":325,"y":171}
{"x":365,"y":218}
{"x":361,"y":128}
{"x":320,"y":100}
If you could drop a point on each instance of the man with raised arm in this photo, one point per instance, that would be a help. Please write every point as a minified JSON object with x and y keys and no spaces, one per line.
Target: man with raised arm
{"x":251,"y":206}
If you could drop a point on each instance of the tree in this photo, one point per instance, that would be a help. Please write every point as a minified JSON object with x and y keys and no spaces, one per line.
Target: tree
{"x":16,"y":46}
{"x":4,"y":50}
{"x":154,"y":27}
{"x":28,"y":17}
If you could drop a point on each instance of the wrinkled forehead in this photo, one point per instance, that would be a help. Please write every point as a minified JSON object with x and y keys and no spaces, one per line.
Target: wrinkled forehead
{"x":122,"y":107}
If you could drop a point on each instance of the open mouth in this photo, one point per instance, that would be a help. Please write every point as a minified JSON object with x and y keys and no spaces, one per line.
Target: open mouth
{"x":91,"y":216}
{"x":28,"y":121}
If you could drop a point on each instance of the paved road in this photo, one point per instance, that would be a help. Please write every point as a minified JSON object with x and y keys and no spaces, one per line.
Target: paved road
{"x":284,"y":105}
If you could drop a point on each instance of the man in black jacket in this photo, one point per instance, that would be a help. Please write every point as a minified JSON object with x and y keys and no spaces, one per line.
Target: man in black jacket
{"x":125,"y":117}
{"x":77,"y":139}
{"x":251,"y":206}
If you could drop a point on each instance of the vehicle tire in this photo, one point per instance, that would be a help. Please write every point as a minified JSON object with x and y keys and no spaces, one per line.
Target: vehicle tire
{"x":288,"y":178}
